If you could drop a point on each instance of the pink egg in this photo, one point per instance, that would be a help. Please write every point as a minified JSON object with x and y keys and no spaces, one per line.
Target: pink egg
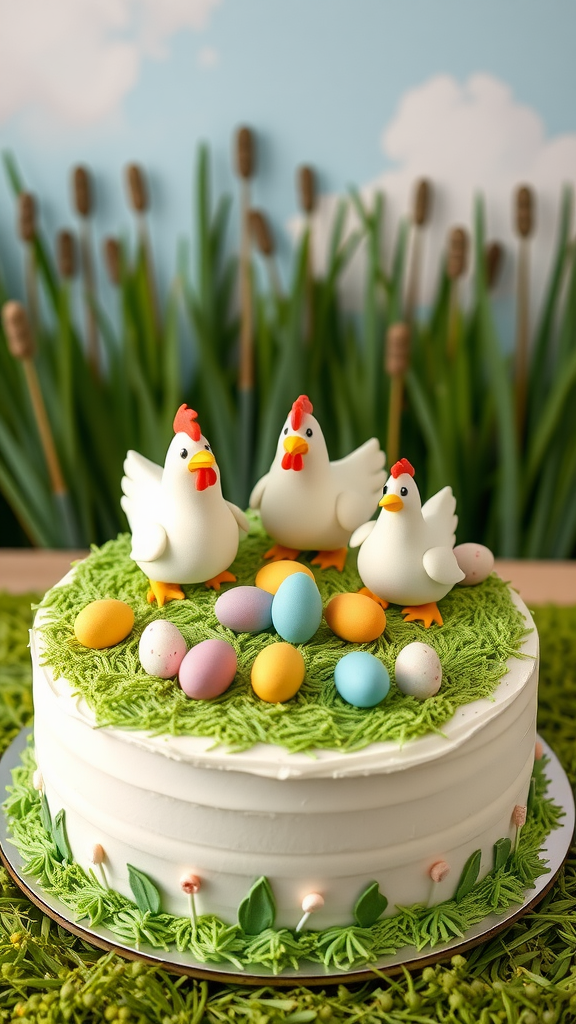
{"x":245,"y":609}
{"x":208,"y":669}
{"x":162,"y":648}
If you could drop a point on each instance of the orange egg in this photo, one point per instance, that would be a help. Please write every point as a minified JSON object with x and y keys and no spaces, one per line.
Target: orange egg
{"x":355,"y":617}
{"x":272,"y":575}
{"x":103,"y":623}
{"x":278,"y":673}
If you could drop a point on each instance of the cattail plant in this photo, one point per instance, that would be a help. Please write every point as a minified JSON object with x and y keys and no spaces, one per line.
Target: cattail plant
{"x":494,"y":261}
{"x":455,"y":268}
{"x":138,"y":196}
{"x":21,"y":346}
{"x":83,"y":201}
{"x":524,"y":227}
{"x":245,"y":166}
{"x":264,"y":240}
{"x":112,"y":259}
{"x":420,"y":217}
{"x":27,"y":234}
{"x":306,"y":180}
{"x":396,"y":364}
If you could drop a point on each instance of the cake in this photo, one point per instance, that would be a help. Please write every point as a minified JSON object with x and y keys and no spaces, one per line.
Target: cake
{"x":275,"y":834}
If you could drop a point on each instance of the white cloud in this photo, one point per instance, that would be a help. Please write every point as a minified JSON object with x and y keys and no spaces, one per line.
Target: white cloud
{"x":465,"y":138}
{"x":208,"y":57}
{"x":75,"y":60}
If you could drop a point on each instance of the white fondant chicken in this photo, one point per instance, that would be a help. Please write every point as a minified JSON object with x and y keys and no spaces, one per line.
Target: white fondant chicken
{"x":308,"y":503}
{"x":183,"y":530}
{"x":406,"y":555}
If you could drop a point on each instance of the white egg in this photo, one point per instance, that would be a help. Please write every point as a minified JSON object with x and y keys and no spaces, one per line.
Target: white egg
{"x":476,"y":562}
{"x":162,"y":649}
{"x":418,"y":671}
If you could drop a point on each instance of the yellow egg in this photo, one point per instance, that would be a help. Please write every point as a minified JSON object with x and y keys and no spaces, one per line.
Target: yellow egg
{"x":355,"y":617}
{"x":103,"y":623}
{"x":277,"y":673}
{"x":271,"y":576}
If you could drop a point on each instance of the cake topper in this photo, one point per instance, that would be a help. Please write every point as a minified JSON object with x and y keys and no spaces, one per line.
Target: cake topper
{"x":182,"y":527}
{"x":308,"y":503}
{"x":406,"y":555}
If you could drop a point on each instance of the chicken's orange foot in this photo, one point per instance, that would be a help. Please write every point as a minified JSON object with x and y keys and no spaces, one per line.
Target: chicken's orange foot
{"x":222,"y":577}
{"x":370,"y":593}
{"x":163,"y":592}
{"x":278,"y":553}
{"x":331,"y":559}
{"x":425,"y":613}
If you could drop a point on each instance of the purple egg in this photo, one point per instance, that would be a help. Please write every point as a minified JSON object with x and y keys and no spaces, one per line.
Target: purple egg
{"x":245,"y":609}
{"x":208,"y":669}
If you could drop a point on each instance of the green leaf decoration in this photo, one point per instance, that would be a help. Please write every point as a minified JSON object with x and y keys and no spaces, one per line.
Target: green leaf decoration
{"x":531,"y":796}
{"x":369,"y":905}
{"x":502,"y":848}
{"x":59,"y":836}
{"x":469,"y":875}
{"x":146,"y":894}
{"x":258,"y":909}
{"x":45,"y":816}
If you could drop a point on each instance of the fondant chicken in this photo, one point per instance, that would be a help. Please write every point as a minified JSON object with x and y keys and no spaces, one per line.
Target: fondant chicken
{"x":183,"y":530}
{"x":308,"y":503}
{"x":406,"y":554}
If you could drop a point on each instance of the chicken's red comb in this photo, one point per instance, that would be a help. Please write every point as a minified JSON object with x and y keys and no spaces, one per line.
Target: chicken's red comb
{"x":402,"y":467}
{"x":184,"y":421}
{"x":300,"y":407}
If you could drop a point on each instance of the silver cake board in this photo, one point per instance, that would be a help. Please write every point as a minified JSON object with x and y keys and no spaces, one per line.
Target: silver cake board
{"x":554,"y":851}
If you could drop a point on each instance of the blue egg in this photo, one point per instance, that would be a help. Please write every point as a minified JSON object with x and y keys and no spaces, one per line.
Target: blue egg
{"x":244,"y":609}
{"x":361,"y":679}
{"x":297,"y":608}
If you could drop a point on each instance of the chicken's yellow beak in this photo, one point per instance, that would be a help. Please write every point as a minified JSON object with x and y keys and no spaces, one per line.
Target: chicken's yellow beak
{"x":202,"y":460}
{"x":391,"y":502}
{"x":295,"y":445}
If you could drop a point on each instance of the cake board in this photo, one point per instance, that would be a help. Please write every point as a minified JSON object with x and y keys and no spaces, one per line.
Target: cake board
{"x":554,"y":851}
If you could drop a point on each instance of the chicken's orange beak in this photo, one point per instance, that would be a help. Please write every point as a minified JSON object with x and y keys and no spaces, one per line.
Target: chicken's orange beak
{"x":391,"y":502}
{"x":295,"y":445}
{"x":202,"y":460}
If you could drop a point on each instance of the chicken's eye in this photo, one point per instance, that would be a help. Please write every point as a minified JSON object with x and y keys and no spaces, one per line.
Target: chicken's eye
{"x":207,"y":447}
{"x":308,"y":432}
{"x":403,"y":491}
{"x":285,"y":430}
{"x":385,"y":491}
{"x":183,"y":453}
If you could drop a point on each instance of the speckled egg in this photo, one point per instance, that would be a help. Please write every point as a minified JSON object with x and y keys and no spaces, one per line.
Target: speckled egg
{"x":245,"y":609}
{"x":476,"y":562}
{"x":277,"y":673}
{"x":269,"y":577}
{"x":208,"y":669}
{"x":162,"y":649}
{"x":361,"y":679}
{"x":103,"y":623}
{"x":297,"y":609}
{"x":355,"y":617}
{"x":418,"y":671}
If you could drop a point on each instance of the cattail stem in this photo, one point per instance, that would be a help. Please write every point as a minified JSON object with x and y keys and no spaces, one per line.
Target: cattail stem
{"x":27,"y":233}
{"x":524,"y":226}
{"x":307,"y":189}
{"x":83,"y":203}
{"x":455,"y":267}
{"x":396,"y":365}
{"x":138,"y":194}
{"x":245,"y":161}
{"x":420,"y":215}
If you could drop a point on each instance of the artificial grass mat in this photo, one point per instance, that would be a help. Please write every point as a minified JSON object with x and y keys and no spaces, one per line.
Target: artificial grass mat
{"x":525,"y":975}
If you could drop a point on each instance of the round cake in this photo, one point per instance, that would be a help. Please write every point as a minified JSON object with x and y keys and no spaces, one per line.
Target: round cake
{"x":306,"y":819}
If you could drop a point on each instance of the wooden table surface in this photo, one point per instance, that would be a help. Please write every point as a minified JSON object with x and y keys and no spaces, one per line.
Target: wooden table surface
{"x":539,"y":582}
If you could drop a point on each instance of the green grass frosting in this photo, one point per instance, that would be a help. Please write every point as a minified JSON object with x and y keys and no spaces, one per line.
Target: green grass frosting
{"x":482,"y":629}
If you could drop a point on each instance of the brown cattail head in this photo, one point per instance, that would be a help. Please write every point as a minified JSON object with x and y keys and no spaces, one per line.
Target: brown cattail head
{"x":66,"y":253}
{"x":397,"y":349}
{"x":457,"y":253}
{"x":494,"y":258}
{"x":112,"y":257}
{"x":82,"y":191}
{"x":137,"y":191}
{"x":17,"y":330}
{"x":422,"y":201}
{"x":245,"y":152}
{"x":261,"y":233}
{"x":26,"y":216}
{"x":307,"y":188}
{"x":524,"y":211}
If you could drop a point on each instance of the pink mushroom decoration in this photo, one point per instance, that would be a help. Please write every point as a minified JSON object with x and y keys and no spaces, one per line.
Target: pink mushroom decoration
{"x":312,"y":902}
{"x":438,"y":872}
{"x":191,"y":884}
{"x":519,"y":819}
{"x":97,"y":857}
{"x":538,"y":751}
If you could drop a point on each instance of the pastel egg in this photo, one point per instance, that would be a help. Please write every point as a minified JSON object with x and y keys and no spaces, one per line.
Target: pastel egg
{"x":208,"y":669}
{"x":297,"y":608}
{"x":277,"y":673}
{"x":162,"y":649}
{"x":361,"y":679}
{"x":270,"y":576}
{"x":103,"y":623}
{"x":476,"y":562}
{"x":418,"y":671}
{"x":355,"y":617}
{"x":245,"y":609}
